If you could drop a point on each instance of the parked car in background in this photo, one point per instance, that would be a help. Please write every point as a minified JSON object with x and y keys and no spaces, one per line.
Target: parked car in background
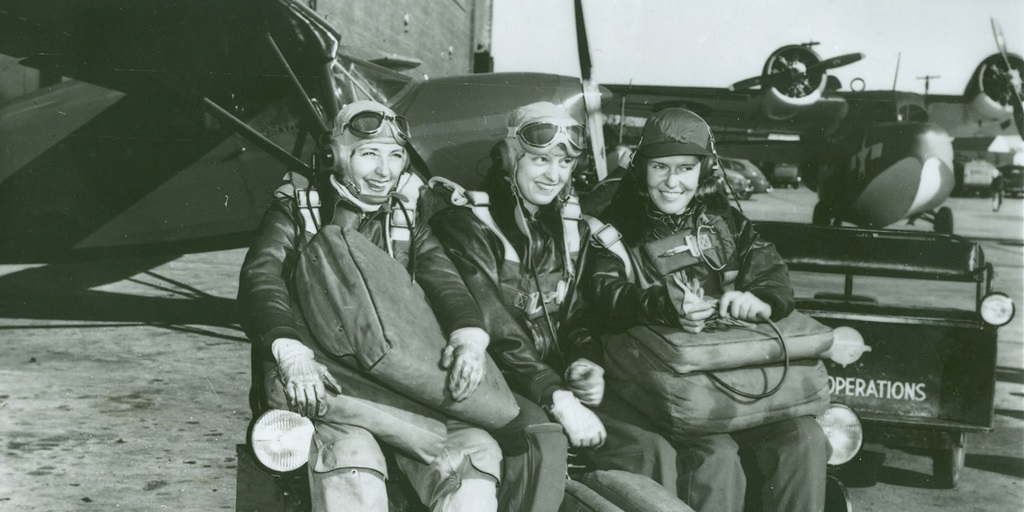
{"x":1013,"y":180}
{"x":751,"y":171}
{"x":977,"y":177}
{"x":782,"y":174}
{"x":739,"y":183}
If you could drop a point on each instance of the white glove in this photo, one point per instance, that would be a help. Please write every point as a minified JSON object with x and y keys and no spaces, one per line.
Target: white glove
{"x":585,"y":379}
{"x":581,"y":425}
{"x":303,"y":378}
{"x":693,"y":309}
{"x":464,"y":359}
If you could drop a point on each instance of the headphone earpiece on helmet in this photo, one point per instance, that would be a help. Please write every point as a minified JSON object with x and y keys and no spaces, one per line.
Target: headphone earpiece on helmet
{"x":328,"y":156}
{"x":504,"y":156}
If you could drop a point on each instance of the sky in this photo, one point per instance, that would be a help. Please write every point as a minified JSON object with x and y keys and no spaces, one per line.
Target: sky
{"x":715,"y":43}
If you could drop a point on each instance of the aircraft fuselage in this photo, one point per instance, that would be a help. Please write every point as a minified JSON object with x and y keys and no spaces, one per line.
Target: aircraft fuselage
{"x":900,"y":170}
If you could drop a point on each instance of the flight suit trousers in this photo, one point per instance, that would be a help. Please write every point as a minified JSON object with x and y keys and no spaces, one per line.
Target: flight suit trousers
{"x":790,"y":455}
{"x":534,"y":466}
{"x":347,"y":471}
{"x":632,"y":445}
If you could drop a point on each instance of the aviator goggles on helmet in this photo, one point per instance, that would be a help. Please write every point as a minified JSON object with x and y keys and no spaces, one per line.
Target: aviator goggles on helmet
{"x":543,"y":134}
{"x":369,"y":124}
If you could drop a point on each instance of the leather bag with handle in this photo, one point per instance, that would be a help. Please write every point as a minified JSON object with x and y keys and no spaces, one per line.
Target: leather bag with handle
{"x":713,"y":382}
{"x":364,"y":311}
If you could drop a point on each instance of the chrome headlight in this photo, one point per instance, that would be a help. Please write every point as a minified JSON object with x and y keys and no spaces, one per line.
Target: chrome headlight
{"x":844,"y":431}
{"x":996,"y":309}
{"x":280,"y":439}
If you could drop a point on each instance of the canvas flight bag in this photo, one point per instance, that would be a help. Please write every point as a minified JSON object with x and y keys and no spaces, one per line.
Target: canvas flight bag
{"x":691,"y":385}
{"x":364,"y":311}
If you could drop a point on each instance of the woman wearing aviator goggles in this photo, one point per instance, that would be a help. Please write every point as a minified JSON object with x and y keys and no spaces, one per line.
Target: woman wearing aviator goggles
{"x":545,"y":134}
{"x":370,"y":123}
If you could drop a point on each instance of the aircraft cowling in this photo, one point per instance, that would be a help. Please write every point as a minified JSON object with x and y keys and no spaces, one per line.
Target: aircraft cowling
{"x":791,"y":87}
{"x":988,"y":92}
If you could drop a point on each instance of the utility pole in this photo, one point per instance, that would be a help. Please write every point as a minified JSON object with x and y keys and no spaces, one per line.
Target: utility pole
{"x":927,"y":81}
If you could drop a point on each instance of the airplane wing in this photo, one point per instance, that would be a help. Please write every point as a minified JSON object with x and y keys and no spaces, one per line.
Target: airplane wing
{"x":150,"y":142}
{"x":778,"y":115}
{"x":991,"y":103}
{"x":742,"y":126}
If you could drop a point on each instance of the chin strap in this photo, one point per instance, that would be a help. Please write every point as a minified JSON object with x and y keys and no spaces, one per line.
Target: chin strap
{"x":346,"y":193}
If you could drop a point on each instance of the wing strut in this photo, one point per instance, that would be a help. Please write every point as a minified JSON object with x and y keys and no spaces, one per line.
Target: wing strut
{"x":256,"y":138}
{"x":311,"y":109}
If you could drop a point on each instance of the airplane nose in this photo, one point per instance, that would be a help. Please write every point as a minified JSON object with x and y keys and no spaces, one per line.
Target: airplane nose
{"x":919,"y":181}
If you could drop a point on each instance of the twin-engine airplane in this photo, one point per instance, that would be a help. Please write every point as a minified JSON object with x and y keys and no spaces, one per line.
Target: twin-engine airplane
{"x":874,"y":157}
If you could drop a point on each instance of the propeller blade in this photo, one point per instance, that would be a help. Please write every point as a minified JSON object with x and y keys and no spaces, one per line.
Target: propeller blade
{"x":746,"y":84}
{"x":1015,"y":81}
{"x":591,"y":95}
{"x":582,"y":43}
{"x":835,"y":62}
{"x":997,"y":32}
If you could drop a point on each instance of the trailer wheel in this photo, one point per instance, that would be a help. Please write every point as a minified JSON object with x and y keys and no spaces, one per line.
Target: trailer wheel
{"x":947,"y":463}
{"x":837,"y":498}
{"x":944,"y":221}
{"x":821,"y":216}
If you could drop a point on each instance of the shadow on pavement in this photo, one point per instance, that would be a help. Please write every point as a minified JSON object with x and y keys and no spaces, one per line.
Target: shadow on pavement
{"x":64,"y":292}
{"x":1002,"y":464}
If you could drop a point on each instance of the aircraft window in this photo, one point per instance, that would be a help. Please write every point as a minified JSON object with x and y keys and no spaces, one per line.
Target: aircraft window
{"x":913,"y":114}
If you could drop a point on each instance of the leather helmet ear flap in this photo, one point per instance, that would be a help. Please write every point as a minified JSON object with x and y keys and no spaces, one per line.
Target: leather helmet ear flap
{"x":328,"y":156}
{"x":504,"y":156}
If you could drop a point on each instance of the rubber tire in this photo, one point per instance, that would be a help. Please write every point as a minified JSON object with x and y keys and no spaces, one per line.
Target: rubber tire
{"x":944,"y":221}
{"x":821,"y":215}
{"x":947,"y":465}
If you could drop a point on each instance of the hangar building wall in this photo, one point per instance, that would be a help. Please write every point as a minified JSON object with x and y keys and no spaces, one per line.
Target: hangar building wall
{"x":439,"y":33}
{"x":445,"y":35}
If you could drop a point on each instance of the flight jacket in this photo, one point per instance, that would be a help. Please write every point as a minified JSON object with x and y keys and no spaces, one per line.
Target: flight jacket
{"x":618,"y":302}
{"x":263,"y":290}
{"x":530,"y":358}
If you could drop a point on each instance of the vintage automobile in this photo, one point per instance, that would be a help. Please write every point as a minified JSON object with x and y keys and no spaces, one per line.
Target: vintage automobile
{"x":976,"y":177}
{"x":1013,"y":180}
{"x":782,"y":174}
{"x":740,"y":184}
{"x":918,"y":367}
{"x":751,"y":171}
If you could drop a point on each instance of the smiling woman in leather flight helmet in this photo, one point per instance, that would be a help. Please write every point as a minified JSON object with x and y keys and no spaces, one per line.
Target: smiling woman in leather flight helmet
{"x":538,"y":134}
{"x":521,"y":266}
{"x":671,"y":133}
{"x":359,"y":168}
{"x":673,"y":194}
{"x":366,"y":153}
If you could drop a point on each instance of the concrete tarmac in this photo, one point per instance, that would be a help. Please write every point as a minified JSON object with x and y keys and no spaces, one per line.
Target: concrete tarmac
{"x":123,"y":384}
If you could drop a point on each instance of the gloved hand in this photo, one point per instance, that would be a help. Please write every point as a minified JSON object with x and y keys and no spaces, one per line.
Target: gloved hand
{"x":581,"y":425}
{"x":694,"y":309}
{"x":585,"y":379}
{"x":464,"y":359}
{"x":744,"y":306}
{"x":304,"y":379}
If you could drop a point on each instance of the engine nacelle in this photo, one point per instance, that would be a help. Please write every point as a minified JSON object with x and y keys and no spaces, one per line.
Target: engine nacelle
{"x":989,"y":91}
{"x":790,"y":81}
